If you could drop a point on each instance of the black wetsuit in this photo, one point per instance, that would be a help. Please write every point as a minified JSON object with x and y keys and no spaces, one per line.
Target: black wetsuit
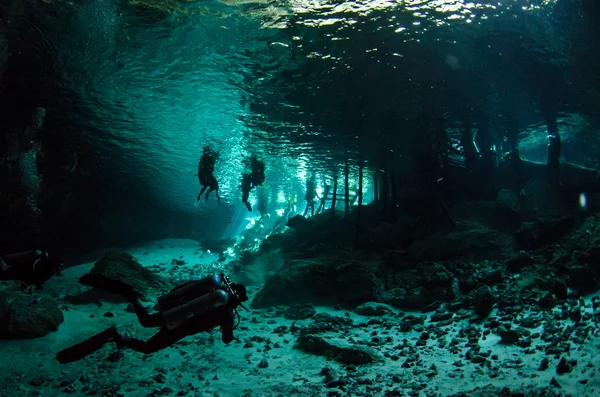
{"x":33,"y":267}
{"x":206,"y":177}
{"x":246,"y":187}
{"x":258,"y":172}
{"x":222,"y":316}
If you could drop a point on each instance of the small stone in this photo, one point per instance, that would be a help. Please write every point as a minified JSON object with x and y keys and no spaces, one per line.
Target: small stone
{"x":508,"y":336}
{"x":565,"y":366}
{"x":159,"y":378}
{"x":177,"y":262}
{"x":263,"y":364}
{"x":554,"y":383}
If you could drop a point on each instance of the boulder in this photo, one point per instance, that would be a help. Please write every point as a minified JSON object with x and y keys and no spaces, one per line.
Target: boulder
{"x":483,"y":301}
{"x":325,"y":322}
{"x":123,"y":267}
{"x":392,"y":236}
{"x":507,"y":203}
{"x":519,"y":261}
{"x":473,"y":243}
{"x":299,"y":223}
{"x":320,"y":280}
{"x":27,"y":316}
{"x":373,"y":309}
{"x":393,"y":297}
{"x":339,"y":351}
{"x":544,"y":231}
{"x":299,"y":312}
{"x":583,"y":279}
{"x":418,"y":287}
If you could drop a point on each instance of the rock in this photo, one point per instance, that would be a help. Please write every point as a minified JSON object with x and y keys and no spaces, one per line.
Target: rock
{"x":554,"y":383}
{"x":547,"y":301}
{"x":518,"y":262}
{"x":473,"y":243}
{"x":321,"y":280}
{"x":529,"y":322}
{"x":575,"y":314}
{"x":559,"y":288}
{"x":507,"y":203}
{"x":263,"y":364}
{"x":177,"y":262}
{"x":420,"y":288}
{"x":324,"y":322}
{"x":508,"y":336}
{"x":123,"y":267}
{"x":484,"y":301}
{"x":565,"y":366}
{"x":299,"y":312}
{"x":339,"y":351}
{"x":582,"y":279}
{"x":299,"y":223}
{"x":409,"y":322}
{"x":440,"y":315}
{"x":395,"y":237}
{"x":543,"y":232}
{"x":393,"y":297}
{"x":27,"y":316}
{"x":372,"y":309}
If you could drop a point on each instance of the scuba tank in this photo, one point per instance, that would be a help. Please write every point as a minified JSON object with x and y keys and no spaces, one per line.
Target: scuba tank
{"x":188,"y":292}
{"x":190,"y":300}
{"x":195,"y":298}
{"x":181,"y":314}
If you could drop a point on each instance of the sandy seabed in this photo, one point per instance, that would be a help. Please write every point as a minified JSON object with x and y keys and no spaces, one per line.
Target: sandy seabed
{"x":263,"y":360}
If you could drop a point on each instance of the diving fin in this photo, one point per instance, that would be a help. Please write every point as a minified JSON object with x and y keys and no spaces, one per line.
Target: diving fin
{"x":107,"y":284}
{"x":87,"y":347}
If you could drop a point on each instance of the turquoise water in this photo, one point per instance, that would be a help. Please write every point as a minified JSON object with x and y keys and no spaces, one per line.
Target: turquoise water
{"x":134,"y":89}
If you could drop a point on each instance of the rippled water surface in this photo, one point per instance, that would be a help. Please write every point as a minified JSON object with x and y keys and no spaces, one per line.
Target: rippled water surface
{"x":305,"y":84}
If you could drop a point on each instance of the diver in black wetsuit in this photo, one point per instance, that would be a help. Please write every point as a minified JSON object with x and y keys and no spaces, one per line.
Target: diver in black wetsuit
{"x":33,"y":267}
{"x":311,"y":194}
{"x":256,"y":177}
{"x":191,"y":308}
{"x":549,"y":111}
{"x":257,"y":171}
{"x":467,"y":142}
{"x":206,"y":177}
{"x":326,"y":189}
{"x":246,"y":187}
{"x":263,"y":203}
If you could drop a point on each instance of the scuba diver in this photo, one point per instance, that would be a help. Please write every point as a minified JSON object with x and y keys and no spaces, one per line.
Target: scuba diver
{"x":263,"y":203}
{"x":246,"y":187}
{"x":311,"y":193}
{"x":326,"y":189}
{"x":511,"y":154}
{"x":467,"y":142}
{"x":256,"y":177}
{"x":213,"y":185}
{"x":431,"y":158}
{"x":33,"y":267}
{"x":188,"y":309}
{"x":206,"y":169}
{"x":549,"y":111}
{"x":258,"y":171}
